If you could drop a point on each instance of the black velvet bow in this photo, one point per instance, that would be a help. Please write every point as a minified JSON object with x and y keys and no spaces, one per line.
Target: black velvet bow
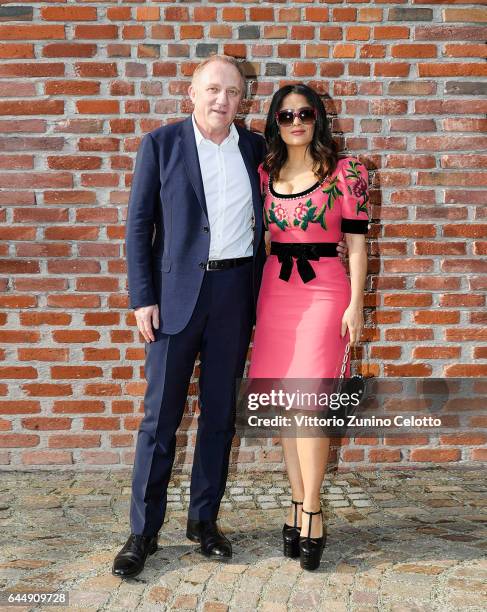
{"x":302,"y":253}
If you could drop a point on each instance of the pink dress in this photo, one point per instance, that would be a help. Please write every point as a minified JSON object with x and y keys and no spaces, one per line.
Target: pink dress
{"x":297,"y":333}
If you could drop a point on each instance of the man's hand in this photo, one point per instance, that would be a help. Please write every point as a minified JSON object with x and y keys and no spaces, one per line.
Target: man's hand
{"x":342,"y":249}
{"x":146,"y":317}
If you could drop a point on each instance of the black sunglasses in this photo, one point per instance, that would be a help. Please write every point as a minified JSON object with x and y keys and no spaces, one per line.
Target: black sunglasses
{"x":286,"y":117}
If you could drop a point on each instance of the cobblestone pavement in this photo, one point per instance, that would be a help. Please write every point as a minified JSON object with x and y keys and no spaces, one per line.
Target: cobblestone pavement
{"x":408,"y":540}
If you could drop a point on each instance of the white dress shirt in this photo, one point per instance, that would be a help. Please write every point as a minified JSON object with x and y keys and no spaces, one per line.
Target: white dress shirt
{"x":228,"y":195}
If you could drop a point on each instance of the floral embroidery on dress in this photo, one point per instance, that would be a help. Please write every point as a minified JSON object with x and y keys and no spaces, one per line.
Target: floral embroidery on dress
{"x":332,"y":192}
{"x":358,"y":187}
{"x":277,"y":215}
{"x":304,"y":214}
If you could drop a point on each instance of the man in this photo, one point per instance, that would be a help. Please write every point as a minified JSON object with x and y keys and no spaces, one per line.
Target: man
{"x":195,"y":252}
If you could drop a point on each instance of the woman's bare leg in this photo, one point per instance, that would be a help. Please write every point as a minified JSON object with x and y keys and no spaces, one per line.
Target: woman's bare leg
{"x":294,"y":474}
{"x":313,"y":458}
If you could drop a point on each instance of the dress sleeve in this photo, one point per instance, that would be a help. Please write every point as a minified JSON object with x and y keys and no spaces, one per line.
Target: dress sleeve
{"x":354,"y":185}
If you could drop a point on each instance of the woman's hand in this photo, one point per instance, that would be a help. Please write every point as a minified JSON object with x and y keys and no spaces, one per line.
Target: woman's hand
{"x":353,"y":318}
{"x":267,"y":238}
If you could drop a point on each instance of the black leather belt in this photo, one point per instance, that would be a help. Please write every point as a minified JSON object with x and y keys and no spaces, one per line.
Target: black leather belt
{"x":225,"y":264}
{"x":301,"y":251}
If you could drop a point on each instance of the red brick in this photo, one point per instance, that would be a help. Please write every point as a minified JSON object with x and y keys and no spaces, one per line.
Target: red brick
{"x":44,"y":318}
{"x":435,"y":455}
{"x":316,"y":14}
{"x":101,"y":423}
{"x":100,"y":389}
{"x":99,"y":32}
{"x":14,"y":440}
{"x":177,"y":13}
{"x":450,"y":69}
{"x":191,"y":31}
{"x":408,"y":369}
{"x":16,"y":372}
{"x":32,"y":32}
{"x":233,"y":14}
{"x":74,"y":441}
{"x":384,"y":455}
{"x":46,"y":423}
{"x":68,"y":13}
{"x":147,"y":13}
{"x":119,"y":13}
{"x":204,"y":13}
{"x":352,"y":455}
{"x":42,"y":354}
{"x":19,"y":407}
{"x":18,"y":51}
{"x":288,"y":51}
{"x":261,"y":14}
{"x":277,"y":31}
{"x":391,"y":32}
{"x":75,"y":372}
{"x":435,"y":317}
{"x":461,"y":370}
{"x":220,"y":31}
{"x":47,"y":457}
{"x":302,"y":32}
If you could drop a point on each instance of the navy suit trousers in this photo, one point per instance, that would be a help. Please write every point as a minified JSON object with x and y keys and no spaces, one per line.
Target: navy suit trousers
{"x":219,"y":330}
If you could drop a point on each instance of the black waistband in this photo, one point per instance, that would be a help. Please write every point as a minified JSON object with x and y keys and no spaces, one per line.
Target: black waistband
{"x":302,"y":252}
{"x":225,"y":264}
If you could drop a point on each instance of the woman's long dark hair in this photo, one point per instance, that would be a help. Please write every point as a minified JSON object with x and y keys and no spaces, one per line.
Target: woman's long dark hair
{"x":322,"y":148}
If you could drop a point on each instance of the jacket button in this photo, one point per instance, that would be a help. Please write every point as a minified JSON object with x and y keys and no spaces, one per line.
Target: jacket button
{"x":206,"y":229}
{"x":202,"y":264}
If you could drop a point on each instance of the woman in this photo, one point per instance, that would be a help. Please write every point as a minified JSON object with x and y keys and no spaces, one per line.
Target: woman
{"x":308,"y":309}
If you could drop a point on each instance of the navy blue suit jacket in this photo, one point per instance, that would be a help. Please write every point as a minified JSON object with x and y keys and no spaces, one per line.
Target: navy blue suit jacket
{"x":167,"y":233}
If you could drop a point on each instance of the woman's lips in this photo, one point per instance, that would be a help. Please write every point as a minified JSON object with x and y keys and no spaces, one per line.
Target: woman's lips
{"x":297,"y":132}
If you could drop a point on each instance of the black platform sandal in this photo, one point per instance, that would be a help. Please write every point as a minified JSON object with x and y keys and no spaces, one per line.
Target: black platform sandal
{"x":311,"y":549}
{"x":290,"y":535}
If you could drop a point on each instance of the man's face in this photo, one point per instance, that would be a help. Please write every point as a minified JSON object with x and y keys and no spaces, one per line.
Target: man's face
{"x":216,"y":93}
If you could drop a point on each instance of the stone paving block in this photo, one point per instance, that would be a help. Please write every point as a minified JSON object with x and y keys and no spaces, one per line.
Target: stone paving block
{"x":305,"y":600}
{"x":185,"y":602}
{"x":215,"y":606}
{"x":273,"y":606}
{"x":88,"y":598}
{"x":361,"y":503}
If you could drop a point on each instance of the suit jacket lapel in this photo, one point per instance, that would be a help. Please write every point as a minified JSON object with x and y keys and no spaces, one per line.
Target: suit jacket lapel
{"x":191,"y":160}
{"x":248,"y":157}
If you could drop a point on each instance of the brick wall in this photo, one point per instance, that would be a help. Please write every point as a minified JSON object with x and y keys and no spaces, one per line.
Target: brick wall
{"x":81,"y":83}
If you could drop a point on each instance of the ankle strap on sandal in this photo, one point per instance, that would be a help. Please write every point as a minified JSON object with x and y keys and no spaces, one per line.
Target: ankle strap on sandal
{"x":311,"y":514}
{"x":296,"y":504}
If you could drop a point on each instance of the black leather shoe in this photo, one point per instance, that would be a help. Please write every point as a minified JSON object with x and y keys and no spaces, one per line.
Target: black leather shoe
{"x":130,"y":560}
{"x":311,"y":549}
{"x":213,"y":543}
{"x":290,"y":534}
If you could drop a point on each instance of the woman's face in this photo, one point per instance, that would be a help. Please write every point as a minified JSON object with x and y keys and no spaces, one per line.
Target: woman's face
{"x":300,"y":131}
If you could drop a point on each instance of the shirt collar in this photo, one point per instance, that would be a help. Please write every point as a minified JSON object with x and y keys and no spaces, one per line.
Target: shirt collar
{"x":199,"y":136}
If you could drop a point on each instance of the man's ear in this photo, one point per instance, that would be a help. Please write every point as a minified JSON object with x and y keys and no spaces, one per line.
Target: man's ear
{"x":191,"y":92}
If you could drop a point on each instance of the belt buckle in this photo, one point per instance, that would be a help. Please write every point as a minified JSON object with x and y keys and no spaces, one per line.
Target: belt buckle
{"x":214,"y":267}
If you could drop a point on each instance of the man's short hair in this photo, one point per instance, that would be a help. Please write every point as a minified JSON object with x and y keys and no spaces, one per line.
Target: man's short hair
{"x":216,"y":57}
